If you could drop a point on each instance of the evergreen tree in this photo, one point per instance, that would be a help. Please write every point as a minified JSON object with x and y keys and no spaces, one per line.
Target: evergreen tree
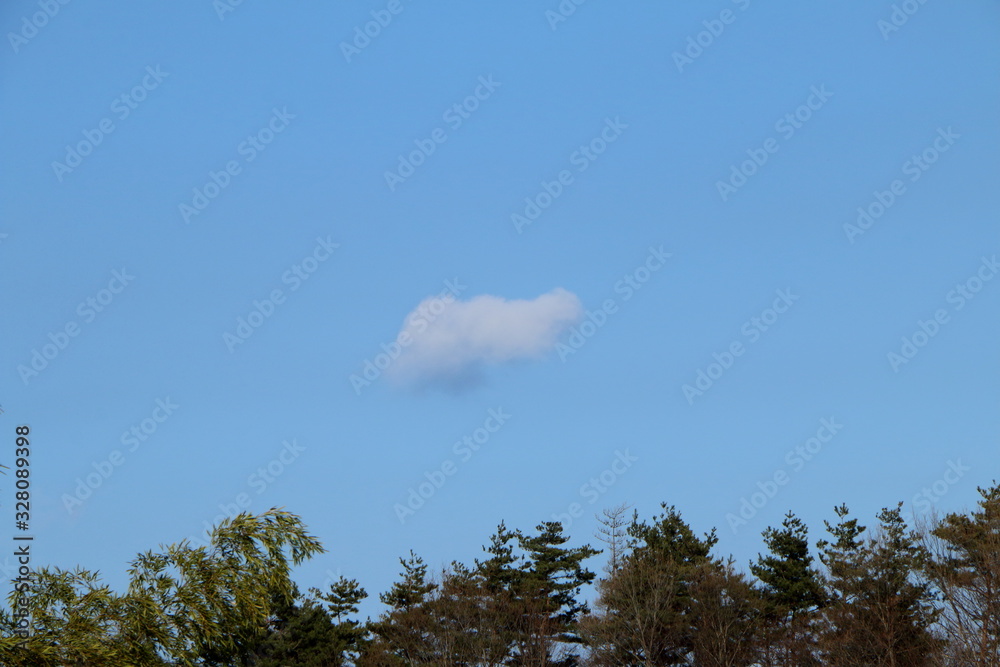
{"x":499,"y":581}
{"x":557,"y":572}
{"x":966,"y":570}
{"x":312,"y":634}
{"x":300,"y":633}
{"x":473,"y":623}
{"x":503,"y":570}
{"x":646,"y":605}
{"x":414,"y":587}
{"x":879,"y":613}
{"x":405,"y":634}
{"x":791,"y":593}
{"x":341,"y":602}
{"x":552,"y":578}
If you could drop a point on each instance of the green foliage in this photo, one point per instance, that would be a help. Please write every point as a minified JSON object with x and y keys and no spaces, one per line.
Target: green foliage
{"x":556,"y":573}
{"x":517,"y":607}
{"x":315,"y":630}
{"x":646,"y":605}
{"x":670,"y":538}
{"x":791,"y":593}
{"x":184,"y":605}
{"x":414,"y":587}
{"x":502,"y":570}
{"x":883,"y":597}
{"x":965,"y":569}
{"x":401,"y":633}
{"x":790,"y":584}
{"x":880,"y":613}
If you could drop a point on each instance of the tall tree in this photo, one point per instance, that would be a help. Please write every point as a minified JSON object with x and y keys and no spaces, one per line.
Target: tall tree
{"x":880,"y":612}
{"x":413,"y":588}
{"x":316,"y":630}
{"x":965,"y":568}
{"x":725,"y":616}
{"x":500,"y":580}
{"x":614,"y":533}
{"x":503,"y":570}
{"x":519,"y":606}
{"x":184,"y":605}
{"x":550,"y":588}
{"x":791,"y":593}
{"x":476,"y":625}
{"x":403,"y":634}
{"x":645,"y":607}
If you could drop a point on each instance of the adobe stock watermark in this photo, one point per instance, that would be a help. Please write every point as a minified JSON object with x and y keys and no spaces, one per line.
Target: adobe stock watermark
{"x":454,"y":116}
{"x":899,"y":16}
{"x":8,"y":569}
{"x":264,"y":309}
{"x":958,"y":296}
{"x":248,"y":149}
{"x":786,"y":126}
{"x":597,"y":486}
{"x":752,"y":329}
{"x":697,"y":43}
{"x":581,"y":158}
{"x":258,"y":482}
{"x":914,"y":167}
{"x":31,"y":25}
{"x":464,"y":450}
{"x":795,"y":460}
{"x":561,"y":13}
{"x":332,"y":577}
{"x":87,"y":310}
{"x":223,"y":7}
{"x":925,"y":499}
{"x":122,"y":106}
{"x":420,"y":319}
{"x":133,"y":438}
{"x":629,"y":284}
{"x":363,"y":35}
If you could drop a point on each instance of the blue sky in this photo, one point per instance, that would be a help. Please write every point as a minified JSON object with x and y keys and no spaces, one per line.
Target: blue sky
{"x":698,"y":172}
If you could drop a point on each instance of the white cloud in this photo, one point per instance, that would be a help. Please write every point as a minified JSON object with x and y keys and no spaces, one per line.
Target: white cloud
{"x":450,"y":342}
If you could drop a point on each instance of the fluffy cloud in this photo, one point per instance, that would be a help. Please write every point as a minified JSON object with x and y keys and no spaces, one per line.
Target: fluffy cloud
{"x":450,"y":342}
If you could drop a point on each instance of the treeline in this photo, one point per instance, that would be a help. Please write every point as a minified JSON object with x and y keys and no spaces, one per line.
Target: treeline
{"x":886,"y":595}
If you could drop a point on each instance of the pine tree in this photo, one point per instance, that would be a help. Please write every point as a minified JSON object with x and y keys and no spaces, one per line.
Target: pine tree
{"x":341,"y":602}
{"x":645,"y":609}
{"x":879,"y":613}
{"x":503,"y":570}
{"x":966,"y":570}
{"x":529,"y":587}
{"x":404,"y":634}
{"x":308,"y":634}
{"x":558,"y":573}
{"x":791,"y":593}
{"x":414,"y":587}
